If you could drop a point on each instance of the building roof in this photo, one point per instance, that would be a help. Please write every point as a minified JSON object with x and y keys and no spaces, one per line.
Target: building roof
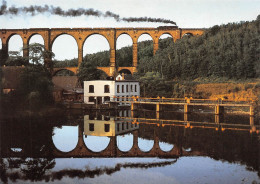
{"x":67,"y":83}
{"x":10,"y":76}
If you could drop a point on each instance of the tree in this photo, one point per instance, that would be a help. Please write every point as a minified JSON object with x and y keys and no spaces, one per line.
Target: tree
{"x":88,"y":71}
{"x":36,"y":86}
{"x":38,"y":54}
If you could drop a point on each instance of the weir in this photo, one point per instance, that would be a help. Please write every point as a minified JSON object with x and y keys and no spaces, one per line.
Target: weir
{"x":187,"y":103}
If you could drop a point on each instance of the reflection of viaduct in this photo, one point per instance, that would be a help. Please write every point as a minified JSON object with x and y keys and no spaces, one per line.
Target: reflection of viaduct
{"x":81,"y":34}
{"x":112,"y":150}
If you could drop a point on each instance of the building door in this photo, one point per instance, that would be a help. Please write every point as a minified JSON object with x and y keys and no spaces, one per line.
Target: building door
{"x":99,"y":100}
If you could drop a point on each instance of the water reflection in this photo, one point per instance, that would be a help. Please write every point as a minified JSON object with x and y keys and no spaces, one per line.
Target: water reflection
{"x":125,"y":142}
{"x":100,"y":142}
{"x":96,"y":143}
{"x":145,"y":145}
{"x":166,"y":146}
{"x":65,"y":138}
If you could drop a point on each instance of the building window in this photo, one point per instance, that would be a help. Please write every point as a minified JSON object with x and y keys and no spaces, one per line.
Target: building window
{"x":118,"y":128}
{"x":107,"y":118}
{"x":106,"y":89}
{"x":91,"y":99}
{"x":127,"y":88}
{"x":131,"y":88}
{"x":123,"y":126}
{"x":123,"y":88}
{"x":91,"y":127}
{"x":127,"y":127}
{"x":118,"y":89}
{"x":107,"y":127}
{"x":135,"y":88}
{"x":106,"y":98}
{"x":91,"y":88}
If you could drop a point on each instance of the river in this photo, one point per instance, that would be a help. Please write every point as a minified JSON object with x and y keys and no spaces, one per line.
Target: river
{"x":131,"y":147}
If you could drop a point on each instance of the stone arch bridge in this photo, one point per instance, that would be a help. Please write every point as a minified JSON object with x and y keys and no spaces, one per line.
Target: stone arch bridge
{"x":81,"y":34}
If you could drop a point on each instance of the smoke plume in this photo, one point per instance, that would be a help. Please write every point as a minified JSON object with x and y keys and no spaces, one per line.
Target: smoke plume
{"x":34,"y":10}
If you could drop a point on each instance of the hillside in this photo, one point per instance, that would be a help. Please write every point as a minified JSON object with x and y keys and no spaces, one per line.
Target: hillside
{"x":224,"y":54}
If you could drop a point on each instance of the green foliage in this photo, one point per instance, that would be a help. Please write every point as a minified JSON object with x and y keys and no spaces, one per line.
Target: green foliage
{"x":65,"y":63}
{"x":35,"y":87}
{"x":124,"y":56}
{"x":15,"y":59}
{"x":228,"y":51}
{"x":37,"y":55}
{"x":88,"y":71}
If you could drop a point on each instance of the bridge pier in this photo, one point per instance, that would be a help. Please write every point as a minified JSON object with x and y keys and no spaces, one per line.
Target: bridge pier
{"x":219,"y":109}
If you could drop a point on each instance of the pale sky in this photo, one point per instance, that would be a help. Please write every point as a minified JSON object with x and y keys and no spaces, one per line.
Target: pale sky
{"x":186,"y":13}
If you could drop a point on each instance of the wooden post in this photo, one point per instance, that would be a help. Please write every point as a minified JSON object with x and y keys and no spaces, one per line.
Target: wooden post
{"x":252,"y":124}
{"x":217,"y":119}
{"x":252,"y":110}
{"x":219,"y":109}
{"x":158,"y":107}
{"x":186,"y":108}
{"x":157,"y":115}
{"x":186,"y":117}
{"x":132,"y":106}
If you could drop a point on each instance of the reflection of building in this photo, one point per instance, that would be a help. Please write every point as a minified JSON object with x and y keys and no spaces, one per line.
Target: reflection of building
{"x":100,"y":91}
{"x":107,"y":126}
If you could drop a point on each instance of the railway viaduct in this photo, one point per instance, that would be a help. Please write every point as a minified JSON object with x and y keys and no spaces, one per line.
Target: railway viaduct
{"x":81,"y":34}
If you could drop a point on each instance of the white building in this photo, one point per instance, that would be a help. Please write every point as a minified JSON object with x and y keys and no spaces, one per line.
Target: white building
{"x":101,"y":91}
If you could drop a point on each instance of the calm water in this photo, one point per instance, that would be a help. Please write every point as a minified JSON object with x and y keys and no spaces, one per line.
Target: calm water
{"x":124,"y":147}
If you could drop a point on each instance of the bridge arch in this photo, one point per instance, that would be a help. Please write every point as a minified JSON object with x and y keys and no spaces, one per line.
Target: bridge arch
{"x":55,"y":36}
{"x":147,"y":40}
{"x":125,"y":71}
{"x":68,"y":134}
{"x":145,"y":33}
{"x":64,"y":46}
{"x":32,"y":37}
{"x":99,"y":34}
{"x":124,"y":140}
{"x":35,"y":38}
{"x":101,"y":43}
{"x":125,"y":58}
{"x":188,"y":34}
{"x":18,"y":40}
{"x":162,"y":39}
{"x":96,"y":144}
{"x":70,"y":71}
{"x":166,"y":147}
{"x":125,"y":33}
{"x":145,"y":145}
{"x":166,"y":33}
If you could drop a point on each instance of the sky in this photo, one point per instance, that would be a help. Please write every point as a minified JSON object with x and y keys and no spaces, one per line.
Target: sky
{"x":186,"y":14}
